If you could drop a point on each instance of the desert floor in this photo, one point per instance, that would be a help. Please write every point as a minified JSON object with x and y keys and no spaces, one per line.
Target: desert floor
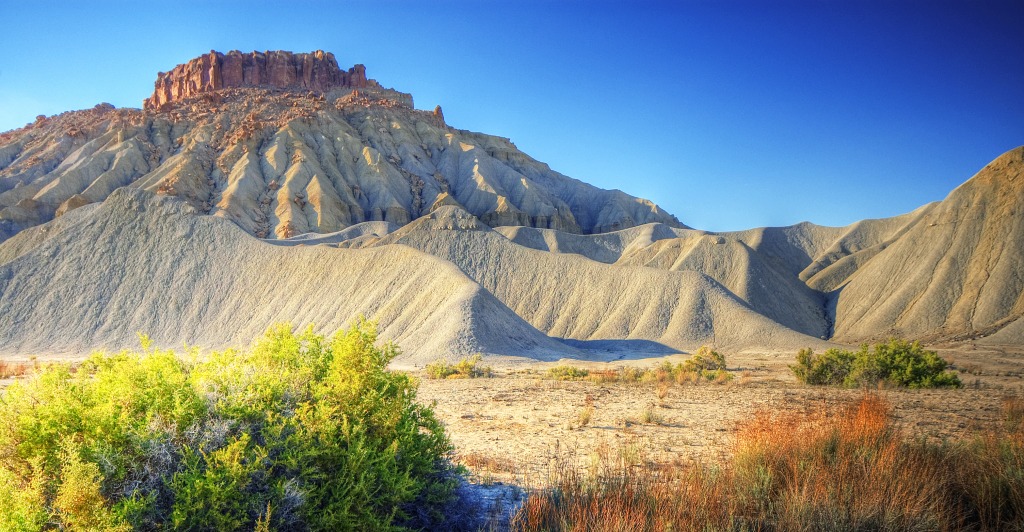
{"x":511,"y":429}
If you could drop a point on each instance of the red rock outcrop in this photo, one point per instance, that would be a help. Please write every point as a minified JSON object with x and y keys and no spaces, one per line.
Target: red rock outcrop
{"x":317,"y":71}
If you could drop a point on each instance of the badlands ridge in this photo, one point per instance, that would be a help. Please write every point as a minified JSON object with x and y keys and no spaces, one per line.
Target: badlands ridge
{"x":266,"y":187}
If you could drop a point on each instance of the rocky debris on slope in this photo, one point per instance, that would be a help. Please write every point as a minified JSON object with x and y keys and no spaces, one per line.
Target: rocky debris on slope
{"x":317,"y":71}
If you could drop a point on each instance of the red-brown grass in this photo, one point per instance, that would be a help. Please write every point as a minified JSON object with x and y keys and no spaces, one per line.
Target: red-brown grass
{"x":848,"y":468}
{"x":10,"y":369}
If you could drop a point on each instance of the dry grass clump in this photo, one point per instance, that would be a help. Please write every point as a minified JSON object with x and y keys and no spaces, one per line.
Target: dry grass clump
{"x":853,"y":471}
{"x":9,"y":369}
{"x":844,"y":469}
{"x":618,"y":491}
{"x":706,"y":365}
{"x":584,"y":417}
{"x":482,"y":462}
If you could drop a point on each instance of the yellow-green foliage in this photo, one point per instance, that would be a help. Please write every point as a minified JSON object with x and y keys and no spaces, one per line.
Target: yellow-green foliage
{"x":705,"y":359}
{"x":896,"y":363}
{"x":467,"y":368}
{"x":567,"y":373}
{"x":705,"y":365}
{"x":298,"y":432}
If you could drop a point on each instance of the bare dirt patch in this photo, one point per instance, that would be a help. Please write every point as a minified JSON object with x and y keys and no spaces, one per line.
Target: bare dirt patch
{"x":514,"y":427}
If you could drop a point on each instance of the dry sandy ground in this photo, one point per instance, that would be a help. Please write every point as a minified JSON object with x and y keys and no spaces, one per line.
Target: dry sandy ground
{"x":511,"y":428}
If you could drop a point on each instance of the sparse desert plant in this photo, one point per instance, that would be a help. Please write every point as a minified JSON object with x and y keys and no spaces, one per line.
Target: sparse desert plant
{"x":467,"y":368}
{"x":650,"y":417}
{"x":586,"y":414}
{"x":479,"y":461}
{"x":631,"y":374}
{"x":849,"y":468}
{"x":895,"y":363}
{"x":567,"y":373}
{"x":10,"y":369}
{"x":705,"y":359}
{"x":297,"y":432}
{"x":603,"y":376}
{"x":706,"y":365}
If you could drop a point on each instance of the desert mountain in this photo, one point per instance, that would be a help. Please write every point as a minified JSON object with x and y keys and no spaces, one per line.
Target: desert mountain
{"x":284,"y":144}
{"x":143,"y":262}
{"x":956,"y":273}
{"x":266,"y":187}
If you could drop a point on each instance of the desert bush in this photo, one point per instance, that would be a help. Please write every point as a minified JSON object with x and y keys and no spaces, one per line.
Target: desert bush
{"x":845,"y":469}
{"x":705,"y":359}
{"x":894,"y":363}
{"x":705,"y":365}
{"x":467,"y":368}
{"x":298,"y":432}
{"x":567,"y":373}
{"x":831,"y":367}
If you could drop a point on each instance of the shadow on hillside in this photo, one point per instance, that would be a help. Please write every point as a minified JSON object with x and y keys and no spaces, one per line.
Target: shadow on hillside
{"x":612,"y":350}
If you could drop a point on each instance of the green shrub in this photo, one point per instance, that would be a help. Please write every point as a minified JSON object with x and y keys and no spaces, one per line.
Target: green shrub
{"x":706,"y":364}
{"x":705,"y":359}
{"x":831,"y":367}
{"x":298,"y":432}
{"x":567,"y":373}
{"x":895,"y":363}
{"x":467,"y":368}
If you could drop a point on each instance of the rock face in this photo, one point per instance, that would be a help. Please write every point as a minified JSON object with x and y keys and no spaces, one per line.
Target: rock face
{"x":285,"y":144}
{"x":317,"y":71}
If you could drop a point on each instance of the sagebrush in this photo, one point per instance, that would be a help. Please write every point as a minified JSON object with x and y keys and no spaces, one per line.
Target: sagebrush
{"x":894,"y":363}
{"x":298,"y":432}
{"x":467,"y":368}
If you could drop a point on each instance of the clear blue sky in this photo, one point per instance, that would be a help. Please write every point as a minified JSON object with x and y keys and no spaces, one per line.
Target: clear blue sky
{"x":728,"y":114}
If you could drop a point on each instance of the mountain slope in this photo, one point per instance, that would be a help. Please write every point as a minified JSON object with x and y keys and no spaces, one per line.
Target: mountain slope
{"x":571,"y":296}
{"x":140,"y":262}
{"x":957,"y":272}
{"x":280,"y":162}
